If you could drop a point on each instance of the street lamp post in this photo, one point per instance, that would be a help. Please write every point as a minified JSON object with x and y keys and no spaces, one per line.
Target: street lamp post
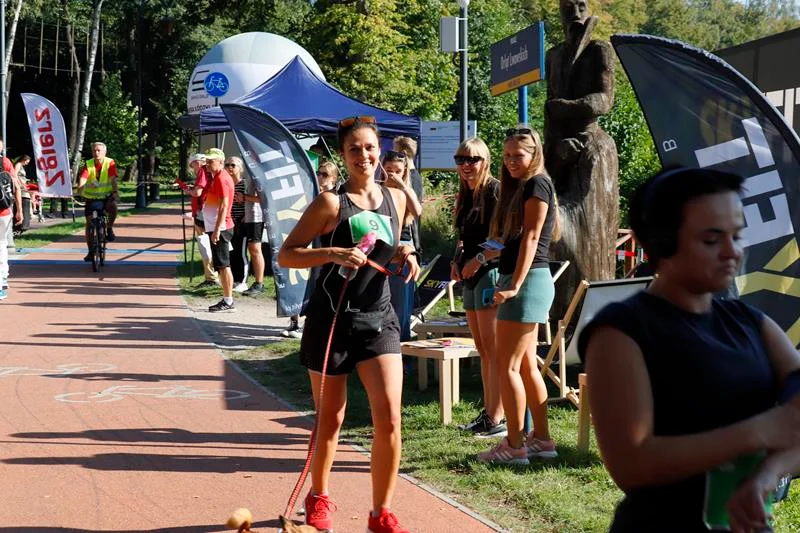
{"x":463,"y":4}
{"x":3,"y":93}
{"x":141,"y":187}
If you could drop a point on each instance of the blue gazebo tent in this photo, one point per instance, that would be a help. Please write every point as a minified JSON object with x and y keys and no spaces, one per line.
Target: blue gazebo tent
{"x":303,"y":103}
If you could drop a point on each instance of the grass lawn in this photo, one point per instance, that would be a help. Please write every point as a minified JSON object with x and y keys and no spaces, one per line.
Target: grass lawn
{"x":570,"y":494}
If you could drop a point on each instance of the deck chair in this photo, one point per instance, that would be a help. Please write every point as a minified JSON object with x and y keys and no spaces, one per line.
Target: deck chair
{"x":594,"y":295}
{"x":433,"y":283}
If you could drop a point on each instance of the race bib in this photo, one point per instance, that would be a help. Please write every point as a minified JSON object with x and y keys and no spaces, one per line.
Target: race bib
{"x":722,"y":482}
{"x":367,"y":221}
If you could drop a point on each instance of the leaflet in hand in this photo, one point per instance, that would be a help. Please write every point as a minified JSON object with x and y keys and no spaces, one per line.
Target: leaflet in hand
{"x":491,"y":245}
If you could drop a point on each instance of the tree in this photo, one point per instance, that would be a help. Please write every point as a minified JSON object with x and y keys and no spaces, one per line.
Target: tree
{"x":113,"y":120}
{"x":87,"y":86}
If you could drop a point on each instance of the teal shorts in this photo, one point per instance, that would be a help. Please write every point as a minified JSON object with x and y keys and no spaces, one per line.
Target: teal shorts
{"x":473,"y":298}
{"x":532,"y":303}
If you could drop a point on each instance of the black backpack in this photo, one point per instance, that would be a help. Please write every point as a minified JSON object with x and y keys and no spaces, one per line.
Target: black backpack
{"x":6,"y":190}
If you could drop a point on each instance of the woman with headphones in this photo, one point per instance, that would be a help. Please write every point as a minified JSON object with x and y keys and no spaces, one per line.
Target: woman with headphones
{"x":690,"y":393}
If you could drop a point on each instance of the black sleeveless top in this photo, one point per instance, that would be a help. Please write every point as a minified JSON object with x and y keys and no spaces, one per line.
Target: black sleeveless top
{"x":369,"y":290}
{"x":706,"y":371}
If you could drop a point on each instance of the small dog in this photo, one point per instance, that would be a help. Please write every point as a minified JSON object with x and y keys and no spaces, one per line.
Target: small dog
{"x":242,"y":520}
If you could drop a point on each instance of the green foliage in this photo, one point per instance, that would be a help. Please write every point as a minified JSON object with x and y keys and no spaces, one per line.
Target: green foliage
{"x":113,"y":119}
{"x":637,"y":156}
{"x":369,"y":54}
{"x":437,"y":232}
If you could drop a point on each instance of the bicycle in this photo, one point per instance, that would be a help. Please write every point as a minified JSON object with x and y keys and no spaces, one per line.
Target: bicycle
{"x":97,"y":231}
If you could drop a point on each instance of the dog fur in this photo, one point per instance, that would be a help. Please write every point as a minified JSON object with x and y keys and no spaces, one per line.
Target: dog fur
{"x":242,"y":520}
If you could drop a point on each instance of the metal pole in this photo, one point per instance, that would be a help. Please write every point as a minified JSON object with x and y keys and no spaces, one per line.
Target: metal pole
{"x":141,"y":191}
{"x":3,"y":74}
{"x":464,"y":60}
{"x":216,"y":135}
{"x":522,"y":104}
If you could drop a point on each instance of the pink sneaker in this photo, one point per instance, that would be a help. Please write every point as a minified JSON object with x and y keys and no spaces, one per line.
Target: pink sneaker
{"x":319,"y":511}
{"x":503,"y":453}
{"x":545,"y":449}
{"x":386,"y":522}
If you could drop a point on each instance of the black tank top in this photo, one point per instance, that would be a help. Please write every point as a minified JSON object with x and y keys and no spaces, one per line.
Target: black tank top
{"x":369,"y":290}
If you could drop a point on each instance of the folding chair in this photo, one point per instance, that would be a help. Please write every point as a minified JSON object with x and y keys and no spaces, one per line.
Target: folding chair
{"x":594,"y":295}
{"x":434,"y":282}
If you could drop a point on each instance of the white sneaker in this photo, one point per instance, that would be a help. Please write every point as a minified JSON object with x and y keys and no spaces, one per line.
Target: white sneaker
{"x":240,"y":287}
{"x":4,"y":283}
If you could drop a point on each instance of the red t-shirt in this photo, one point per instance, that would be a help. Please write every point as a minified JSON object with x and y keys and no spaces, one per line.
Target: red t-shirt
{"x":201,"y":180}
{"x":8,"y":167}
{"x":221,"y":187}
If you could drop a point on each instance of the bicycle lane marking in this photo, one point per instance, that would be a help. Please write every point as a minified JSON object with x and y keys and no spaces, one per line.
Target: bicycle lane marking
{"x":118,"y":392}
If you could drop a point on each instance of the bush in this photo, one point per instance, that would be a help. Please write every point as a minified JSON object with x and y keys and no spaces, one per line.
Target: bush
{"x":437,"y":233}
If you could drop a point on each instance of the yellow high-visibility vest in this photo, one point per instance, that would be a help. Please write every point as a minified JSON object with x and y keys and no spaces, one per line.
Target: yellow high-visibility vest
{"x":103,"y":186}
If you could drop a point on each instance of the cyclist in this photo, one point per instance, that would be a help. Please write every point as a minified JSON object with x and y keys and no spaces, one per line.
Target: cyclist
{"x":98,"y":181}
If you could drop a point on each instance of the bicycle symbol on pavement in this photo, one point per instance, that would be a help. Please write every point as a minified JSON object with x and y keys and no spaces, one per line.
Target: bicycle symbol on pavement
{"x":180,"y":392}
{"x":59,"y":370}
{"x":217,"y":84}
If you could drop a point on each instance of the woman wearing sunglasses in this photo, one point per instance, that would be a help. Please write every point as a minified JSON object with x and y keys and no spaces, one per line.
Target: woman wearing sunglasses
{"x":526,"y":224}
{"x":477,"y":196}
{"x":366,"y":336}
{"x":398,"y":176}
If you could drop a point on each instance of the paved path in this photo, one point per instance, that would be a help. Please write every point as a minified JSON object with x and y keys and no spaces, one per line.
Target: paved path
{"x":118,"y":414}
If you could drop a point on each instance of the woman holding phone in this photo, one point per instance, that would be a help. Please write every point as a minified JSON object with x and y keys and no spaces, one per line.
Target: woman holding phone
{"x":477,"y":196}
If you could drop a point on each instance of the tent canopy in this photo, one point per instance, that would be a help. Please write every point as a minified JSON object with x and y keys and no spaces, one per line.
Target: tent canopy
{"x":303,"y":103}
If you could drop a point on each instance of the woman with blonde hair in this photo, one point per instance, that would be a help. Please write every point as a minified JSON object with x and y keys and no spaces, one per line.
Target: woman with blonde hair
{"x":477,"y":196}
{"x":526,"y":224}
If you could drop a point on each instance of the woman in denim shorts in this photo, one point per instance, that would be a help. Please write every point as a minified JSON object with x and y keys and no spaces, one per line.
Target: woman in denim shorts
{"x":477,"y":197}
{"x":526,"y":224}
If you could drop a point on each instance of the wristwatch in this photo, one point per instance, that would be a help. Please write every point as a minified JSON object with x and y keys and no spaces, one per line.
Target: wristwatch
{"x":481,"y":258}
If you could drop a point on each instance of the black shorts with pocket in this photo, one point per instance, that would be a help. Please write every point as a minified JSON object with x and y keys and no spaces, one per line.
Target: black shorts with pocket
{"x":220,"y":252}
{"x":253,"y":231}
{"x":354,"y":340}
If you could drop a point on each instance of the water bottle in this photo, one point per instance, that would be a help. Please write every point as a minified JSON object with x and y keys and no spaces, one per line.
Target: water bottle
{"x":366,"y":245}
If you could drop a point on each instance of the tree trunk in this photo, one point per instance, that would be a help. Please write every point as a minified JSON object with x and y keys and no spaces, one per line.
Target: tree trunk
{"x":87,"y":86}
{"x":76,"y":93}
{"x":12,"y":32}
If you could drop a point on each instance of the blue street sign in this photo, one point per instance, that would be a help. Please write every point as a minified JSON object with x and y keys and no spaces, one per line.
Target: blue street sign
{"x":217,"y":84}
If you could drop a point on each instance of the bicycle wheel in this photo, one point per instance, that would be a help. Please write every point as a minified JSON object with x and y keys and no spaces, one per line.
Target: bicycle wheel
{"x":103,"y":242}
{"x":97,"y":243}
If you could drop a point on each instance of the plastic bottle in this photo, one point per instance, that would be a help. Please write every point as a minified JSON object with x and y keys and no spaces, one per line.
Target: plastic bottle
{"x":366,"y":245}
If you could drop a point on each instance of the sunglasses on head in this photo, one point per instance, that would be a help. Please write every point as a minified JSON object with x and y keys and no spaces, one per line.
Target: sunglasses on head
{"x":394,"y":155}
{"x":467,"y":159}
{"x":518,"y":131}
{"x":349,"y":121}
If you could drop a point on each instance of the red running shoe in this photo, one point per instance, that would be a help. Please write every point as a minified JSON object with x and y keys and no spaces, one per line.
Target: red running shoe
{"x":319,"y":511}
{"x":386,"y":522}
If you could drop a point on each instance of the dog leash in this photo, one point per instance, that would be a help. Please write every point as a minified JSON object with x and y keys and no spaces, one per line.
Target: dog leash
{"x":312,"y":441}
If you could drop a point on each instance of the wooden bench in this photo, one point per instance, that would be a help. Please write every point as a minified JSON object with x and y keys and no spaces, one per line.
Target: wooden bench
{"x":446,"y":352}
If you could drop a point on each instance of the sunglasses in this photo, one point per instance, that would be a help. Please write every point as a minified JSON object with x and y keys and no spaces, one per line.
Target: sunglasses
{"x":467,"y":159}
{"x":393,"y":155}
{"x":349,"y":121}
{"x":518,"y":131}
{"x":323,"y":174}
{"x":227,"y":165}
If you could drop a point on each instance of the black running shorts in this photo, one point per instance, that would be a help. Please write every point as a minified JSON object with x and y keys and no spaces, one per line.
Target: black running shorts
{"x":349,"y":346}
{"x":220,"y":252}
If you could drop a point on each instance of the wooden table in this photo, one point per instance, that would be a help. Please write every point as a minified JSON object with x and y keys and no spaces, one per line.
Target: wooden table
{"x":440,"y":328}
{"x":446,"y":352}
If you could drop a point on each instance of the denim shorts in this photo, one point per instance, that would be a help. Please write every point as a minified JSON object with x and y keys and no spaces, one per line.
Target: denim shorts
{"x":532,"y":303}
{"x":473,"y":298}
